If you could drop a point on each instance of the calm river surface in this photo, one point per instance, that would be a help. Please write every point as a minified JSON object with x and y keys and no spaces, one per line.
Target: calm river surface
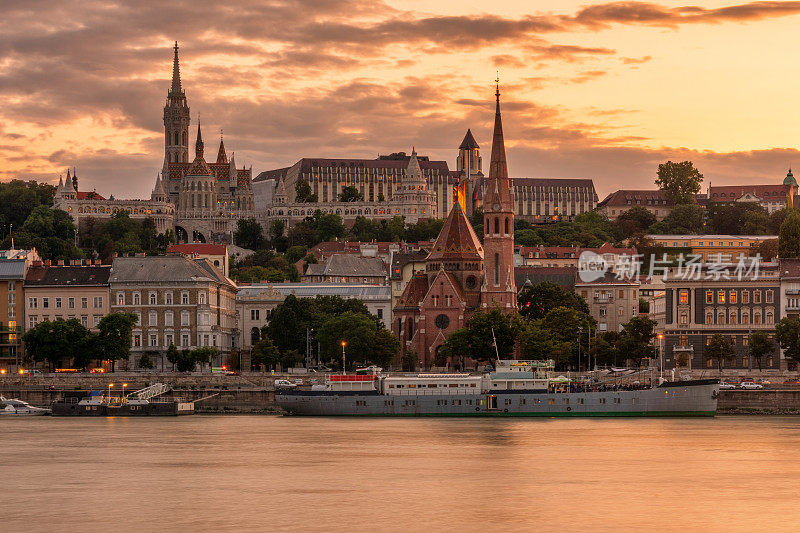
{"x":262,"y":473}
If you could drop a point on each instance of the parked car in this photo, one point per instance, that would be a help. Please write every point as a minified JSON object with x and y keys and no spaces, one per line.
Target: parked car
{"x":298,"y":381}
{"x":284,"y":384}
{"x":726,"y":386}
{"x":749,"y":385}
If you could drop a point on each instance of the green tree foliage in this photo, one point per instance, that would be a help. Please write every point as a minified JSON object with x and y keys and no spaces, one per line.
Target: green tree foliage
{"x":734,"y":218}
{"x":204,"y":355}
{"x":787,"y":333}
{"x":146,"y":360}
{"x":776,"y":218}
{"x":409,"y":361}
{"x":475,"y":339}
{"x":636,"y":339}
{"x":760,"y":345}
{"x":424,"y":230}
{"x":719,"y":348}
{"x":768,"y":250}
{"x":18,"y":199}
{"x":265,"y":265}
{"x":302,"y":191}
{"x":587,"y":230}
{"x":683,"y":219}
{"x":277,"y":239}
{"x":50,"y":231}
{"x":789,"y":236}
{"x":264,"y":353}
{"x":605,"y":349}
{"x":122,"y":235}
{"x":295,"y":253}
{"x":185,"y":361}
{"x":356,"y":329}
{"x":680,"y":181}
{"x":248,"y":234}
{"x":55,"y":341}
{"x":635,"y":221}
{"x":386,"y":348}
{"x":350,"y":194}
{"x":115,"y":336}
{"x":644,"y":306}
{"x":317,"y":228}
{"x":173,"y":355}
{"x":537,"y":300}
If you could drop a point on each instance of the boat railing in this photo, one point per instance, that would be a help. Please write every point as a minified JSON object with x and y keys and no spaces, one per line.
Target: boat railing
{"x":461,"y":391}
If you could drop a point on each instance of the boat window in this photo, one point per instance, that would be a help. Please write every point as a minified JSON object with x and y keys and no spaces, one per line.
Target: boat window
{"x":432,"y":385}
{"x":565,"y":401}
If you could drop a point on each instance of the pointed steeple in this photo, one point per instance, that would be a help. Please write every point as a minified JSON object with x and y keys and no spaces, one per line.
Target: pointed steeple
{"x":469,"y":142}
{"x":74,"y":179}
{"x":198,"y":145}
{"x":222,"y":157}
{"x":176,"y":73}
{"x":60,"y":183}
{"x":413,"y":171}
{"x":497,"y":167}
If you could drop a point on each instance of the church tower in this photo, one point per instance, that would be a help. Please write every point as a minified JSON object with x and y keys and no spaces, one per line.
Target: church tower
{"x":176,"y":122}
{"x":470,"y":165}
{"x":498,"y":289}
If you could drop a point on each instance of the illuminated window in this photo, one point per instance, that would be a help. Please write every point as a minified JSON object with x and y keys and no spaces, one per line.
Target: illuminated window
{"x":721,"y":297}
{"x":683,"y":297}
{"x":732,"y":297}
{"x":709,"y":297}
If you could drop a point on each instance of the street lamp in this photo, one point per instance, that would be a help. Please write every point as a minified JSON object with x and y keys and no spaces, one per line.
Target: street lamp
{"x":109,"y":391}
{"x":123,"y":391}
{"x":661,"y":356}
{"x":344,"y":359}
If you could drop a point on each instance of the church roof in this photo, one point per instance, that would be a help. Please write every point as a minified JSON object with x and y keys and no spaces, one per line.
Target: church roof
{"x":789,"y":179}
{"x":199,"y":167}
{"x":415,"y":291}
{"x":457,"y":240}
{"x":469,"y":142}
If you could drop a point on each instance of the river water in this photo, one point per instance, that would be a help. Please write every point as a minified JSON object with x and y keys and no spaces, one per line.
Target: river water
{"x":265,"y":473}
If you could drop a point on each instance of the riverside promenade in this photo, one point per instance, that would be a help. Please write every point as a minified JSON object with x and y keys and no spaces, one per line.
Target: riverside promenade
{"x":254,"y":392}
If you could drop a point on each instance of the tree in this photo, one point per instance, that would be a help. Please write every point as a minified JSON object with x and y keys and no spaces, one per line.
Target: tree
{"x":295,"y":254}
{"x":680,"y":181}
{"x":768,"y":250}
{"x":350,"y":194}
{"x":644,"y":306}
{"x":736,"y":218}
{"x":186,"y":362}
{"x":756,"y":223}
{"x":356,"y":329}
{"x":569,"y":331}
{"x":789,"y":236}
{"x":264,"y":353}
{"x":115,"y":336}
{"x":635,"y":220}
{"x":684,"y":219}
{"x":636,"y":339}
{"x":248,"y":234}
{"x":787,"y":333}
{"x":203,"y":355}
{"x":535,"y":301}
{"x":387,"y":346}
{"x":55,"y":341}
{"x":173,"y":356}
{"x":475,"y":339}
{"x":719,"y":348}
{"x":410,"y":361}
{"x":146,"y":360}
{"x":302,"y":191}
{"x":760,"y":345}
{"x":605,"y":348}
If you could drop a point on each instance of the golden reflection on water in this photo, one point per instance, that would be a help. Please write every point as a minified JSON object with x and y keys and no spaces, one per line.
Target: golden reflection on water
{"x":258,"y":473}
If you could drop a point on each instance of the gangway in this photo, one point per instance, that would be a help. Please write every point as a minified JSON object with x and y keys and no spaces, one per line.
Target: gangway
{"x":156,"y":389}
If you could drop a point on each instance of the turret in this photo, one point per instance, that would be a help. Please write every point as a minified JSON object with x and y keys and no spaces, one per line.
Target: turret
{"x":176,"y":121}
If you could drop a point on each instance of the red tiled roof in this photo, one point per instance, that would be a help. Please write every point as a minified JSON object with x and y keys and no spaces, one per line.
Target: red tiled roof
{"x":646,"y":197}
{"x":457,"y":240}
{"x":198,"y":248}
{"x":729,"y":193}
{"x":415,"y":291}
{"x":85,"y":196}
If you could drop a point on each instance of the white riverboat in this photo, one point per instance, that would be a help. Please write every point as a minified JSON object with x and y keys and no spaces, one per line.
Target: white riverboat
{"x":13,"y":407}
{"x":516,"y":388}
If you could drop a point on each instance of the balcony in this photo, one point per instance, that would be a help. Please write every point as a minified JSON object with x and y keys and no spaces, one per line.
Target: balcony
{"x":603,"y":299}
{"x":792,"y":292}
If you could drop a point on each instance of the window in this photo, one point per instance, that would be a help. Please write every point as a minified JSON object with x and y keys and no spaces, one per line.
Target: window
{"x":96,"y":320}
{"x":745,"y":361}
{"x":756,"y":297}
{"x":168,"y":318}
{"x":152,"y":297}
{"x":745,"y":297}
{"x":756,"y":317}
{"x":12,"y":286}
{"x":683,"y":318}
{"x":137,"y":298}
{"x":84,"y":321}
{"x":769,"y":296}
{"x":732,"y":318}
{"x":721,"y":317}
{"x":621,"y":311}
{"x":120,"y":298}
{"x":201,"y":298}
{"x":745,"y":316}
{"x":168,"y":340}
{"x":58,"y":302}
{"x":732,"y":297}
{"x":602,"y":311}
{"x":709,"y":297}
{"x":709,"y":317}
{"x":137,"y":340}
{"x":254,"y":314}
{"x":683,"y":340}
{"x":152,"y":318}
{"x":184,"y":318}
{"x":184,"y":298}
{"x":683,"y":297}
{"x":380,"y":313}
{"x":85,"y":303}
{"x":745,"y":340}
{"x":32,"y":321}
{"x":621,"y":294}
{"x":33,"y":303}
{"x":768,"y":317}
{"x":98,"y":302}
{"x":45,"y":303}
{"x":185,"y":339}
{"x":153,"y":339}
{"x":168,"y":298}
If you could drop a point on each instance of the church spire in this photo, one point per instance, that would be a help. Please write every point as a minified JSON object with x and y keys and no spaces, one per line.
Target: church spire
{"x":222,"y":157}
{"x":498,"y":168}
{"x":198,"y":146}
{"x":176,"y":73}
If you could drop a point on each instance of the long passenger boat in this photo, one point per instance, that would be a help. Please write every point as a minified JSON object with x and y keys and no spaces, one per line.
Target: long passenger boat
{"x":517,"y":388}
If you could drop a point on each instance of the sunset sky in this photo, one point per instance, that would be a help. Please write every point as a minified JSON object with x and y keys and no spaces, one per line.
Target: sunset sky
{"x":603,"y":91}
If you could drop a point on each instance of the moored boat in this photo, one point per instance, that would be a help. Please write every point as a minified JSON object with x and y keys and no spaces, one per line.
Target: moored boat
{"x":144,"y":402}
{"x":14,"y":407}
{"x":517,"y":388}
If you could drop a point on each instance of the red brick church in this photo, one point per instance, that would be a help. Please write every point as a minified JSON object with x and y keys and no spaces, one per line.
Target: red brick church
{"x":461,"y":274}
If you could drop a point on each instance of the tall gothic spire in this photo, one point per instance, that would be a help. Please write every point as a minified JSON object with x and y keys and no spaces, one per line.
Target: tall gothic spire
{"x":198,"y":146}
{"x":498,"y":168}
{"x":222,"y":157}
{"x":176,"y":73}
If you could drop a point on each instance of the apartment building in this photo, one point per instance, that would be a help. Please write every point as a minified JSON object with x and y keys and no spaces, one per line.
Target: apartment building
{"x":713,"y":248}
{"x":12,"y":311}
{"x":612,"y":302}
